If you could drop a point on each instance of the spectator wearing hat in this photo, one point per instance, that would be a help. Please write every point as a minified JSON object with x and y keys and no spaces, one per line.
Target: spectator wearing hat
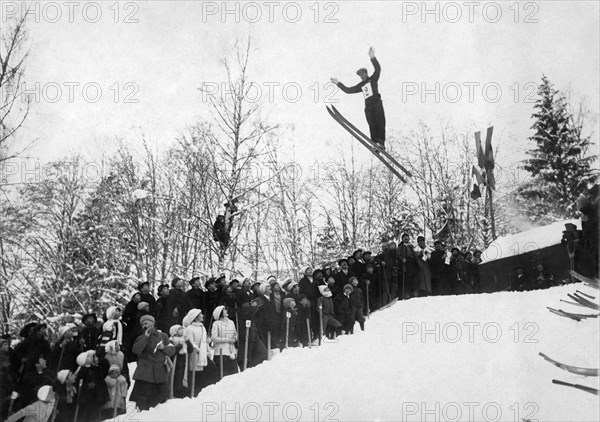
{"x":330,"y":324}
{"x":113,"y":355}
{"x":343,"y":275}
{"x":424,"y":272}
{"x":180,"y":359}
{"x":35,"y":375}
{"x":474,"y":266}
{"x":90,"y":332}
{"x":93,"y":393}
{"x":130,"y":321}
{"x":211,"y":300}
{"x":439,"y":269}
{"x":116,"y":384}
{"x":457,"y":272}
{"x":289,"y":328}
{"x":358,"y":266}
{"x":113,"y":315}
{"x":294,"y":292}
{"x":268,"y":319}
{"x":146,"y":296}
{"x":200,"y":364}
{"x":245,"y":293}
{"x":257,"y":352}
{"x":224,"y":337}
{"x":230,"y":302}
{"x":39,"y":411}
{"x":34,"y":346}
{"x":8,"y":377}
{"x":65,"y":350}
{"x":176,"y":303}
{"x":66,"y":394}
{"x":357,"y":302}
{"x":373,"y":284}
{"x":151,"y":375}
{"x":343,"y":309}
{"x":369,"y":86}
{"x":164,"y":319}
{"x":409,"y":269}
{"x":309,"y":286}
{"x":195,"y":295}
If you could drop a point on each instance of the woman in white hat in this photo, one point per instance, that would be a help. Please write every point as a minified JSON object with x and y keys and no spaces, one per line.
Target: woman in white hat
{"x":200,"y":366}
{"x":224,"y":336}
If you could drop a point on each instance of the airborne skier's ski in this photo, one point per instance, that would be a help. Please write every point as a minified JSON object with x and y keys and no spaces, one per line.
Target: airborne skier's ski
{"x":592,"y":282}
{"x":367,"y":144}
{"x":588,"y":372}
{"x":578,"y":386}
{"x":366,"y":138}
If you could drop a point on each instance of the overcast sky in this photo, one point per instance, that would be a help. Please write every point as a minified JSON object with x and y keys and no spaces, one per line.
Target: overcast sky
{"x":159,"y":53}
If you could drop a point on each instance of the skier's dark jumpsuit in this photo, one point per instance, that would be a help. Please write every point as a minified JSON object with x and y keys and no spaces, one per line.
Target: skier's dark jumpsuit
{"x":373,"y":104}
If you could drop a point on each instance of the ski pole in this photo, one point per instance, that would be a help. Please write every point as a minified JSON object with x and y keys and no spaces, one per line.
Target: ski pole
{"x":403,"y":275}
{"x":268,"y":345}
{"x":77,"y":405}
{"x":309,"y":337}
{"x":248,"y":324}
{"x":60,"y":359}
{"x":117,"y":392}
{"x":172,"y":378}
{"x":193,"y":386}
{"x":368,"y":282}
{"x":287,"y":328}
{"x":320,"y":323}
{"x":221,"y":363}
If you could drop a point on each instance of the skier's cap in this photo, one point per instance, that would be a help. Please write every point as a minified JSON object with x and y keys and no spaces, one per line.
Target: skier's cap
{"x":361,"y":70}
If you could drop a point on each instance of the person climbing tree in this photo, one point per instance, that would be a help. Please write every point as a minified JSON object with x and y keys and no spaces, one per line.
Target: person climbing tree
{"x":373,"y":105}
{"x":223,"y":223}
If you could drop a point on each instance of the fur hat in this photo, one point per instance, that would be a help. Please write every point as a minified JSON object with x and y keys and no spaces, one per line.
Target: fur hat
{"x":44,"y":392}
{"x":62,"y":375}
{"x":349,"y":286}
{"x":108,"y":326}
{"x":326,"y":293}
{"x":173,"y":330}
{"x":217,"y":312}
{"x":271,"y":279}
{"x":146,"y":318}
{"x":114,"y":367}
{"x":143,"y":305}
{"x":292,"y":285}
{"x":286,"y":284}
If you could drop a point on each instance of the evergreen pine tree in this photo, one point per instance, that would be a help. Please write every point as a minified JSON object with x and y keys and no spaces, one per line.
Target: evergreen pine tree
{"x":559,"y":163}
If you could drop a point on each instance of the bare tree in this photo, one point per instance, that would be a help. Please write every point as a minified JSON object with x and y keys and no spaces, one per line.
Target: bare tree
{"x":14,"y":107}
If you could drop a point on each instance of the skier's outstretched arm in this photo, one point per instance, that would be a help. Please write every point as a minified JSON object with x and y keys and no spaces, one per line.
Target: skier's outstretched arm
{"x":376,"y":64}
{"x":348,"y":90}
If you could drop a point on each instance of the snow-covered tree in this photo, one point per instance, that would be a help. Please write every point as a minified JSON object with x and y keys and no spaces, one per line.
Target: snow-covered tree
{"x":559,"y":163}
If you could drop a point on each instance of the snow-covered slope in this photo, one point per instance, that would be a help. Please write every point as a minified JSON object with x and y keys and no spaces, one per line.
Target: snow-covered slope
{"x":467,"y":358}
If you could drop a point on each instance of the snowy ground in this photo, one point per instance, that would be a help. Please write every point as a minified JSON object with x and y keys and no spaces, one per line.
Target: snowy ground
{"x":460,"y":358}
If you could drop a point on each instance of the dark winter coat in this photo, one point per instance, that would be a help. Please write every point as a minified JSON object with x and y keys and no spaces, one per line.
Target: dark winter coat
{"x":93,"y":389}
{"x":90,"y":337}
{"x":175,"y":300}
{"x":343,"y":310}
{"x":309,"y":288}
{"x":369,"y":85}
{"x":356,"y":297}
{"x":341,"y":279}
{"x":150,"y":300}
{"x":66,"y":357}
{"x":151,"y":362}
{"x":195,"y":298}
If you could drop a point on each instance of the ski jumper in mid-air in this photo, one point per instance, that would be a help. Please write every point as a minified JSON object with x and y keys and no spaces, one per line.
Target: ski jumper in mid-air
{"x":373,"y":105}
